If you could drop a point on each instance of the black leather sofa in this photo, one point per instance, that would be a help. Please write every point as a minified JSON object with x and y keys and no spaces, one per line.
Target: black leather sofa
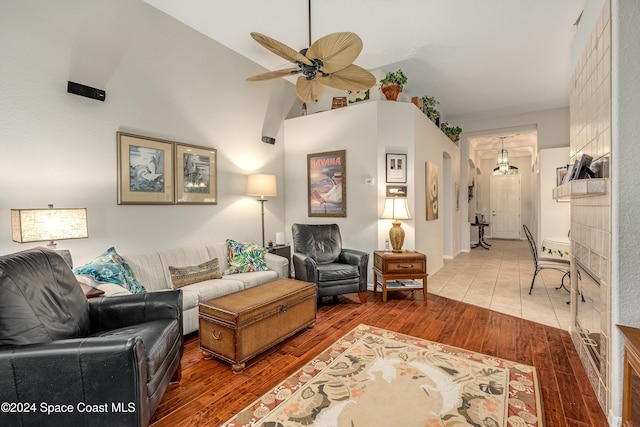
{"x":320,"y":258}
{"x":69,"y":361}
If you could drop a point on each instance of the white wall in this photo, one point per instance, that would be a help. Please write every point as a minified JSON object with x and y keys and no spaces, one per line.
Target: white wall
{"x":554,"y":216}
{"x":625,"y":198}
{"x":368,"y":131}
{"x":162,"y":80}
{"x":352,"y":129}
{"x":431,"y":145}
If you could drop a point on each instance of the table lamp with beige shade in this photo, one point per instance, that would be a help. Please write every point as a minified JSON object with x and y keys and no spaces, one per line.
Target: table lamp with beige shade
{"x":50,"y":224}
{"x":396,"y":208}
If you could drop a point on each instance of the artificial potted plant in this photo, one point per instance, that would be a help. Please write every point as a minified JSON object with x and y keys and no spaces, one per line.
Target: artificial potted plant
{"x":453,"y":132}
{"x":429,"y":108}
{"x":392,"y":84}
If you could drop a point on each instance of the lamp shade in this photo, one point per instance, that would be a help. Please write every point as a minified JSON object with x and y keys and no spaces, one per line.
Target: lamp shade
{"x":262,"y":185}
{"x":396,"y":208}
{"x":38,"y":225}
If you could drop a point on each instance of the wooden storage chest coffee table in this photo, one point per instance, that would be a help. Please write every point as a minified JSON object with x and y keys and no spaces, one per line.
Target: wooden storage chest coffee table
{"x":399,"y":267}
{"x":239,"y":326}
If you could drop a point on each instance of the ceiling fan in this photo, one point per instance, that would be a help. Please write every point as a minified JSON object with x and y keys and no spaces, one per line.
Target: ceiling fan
{"x":327,"y":62}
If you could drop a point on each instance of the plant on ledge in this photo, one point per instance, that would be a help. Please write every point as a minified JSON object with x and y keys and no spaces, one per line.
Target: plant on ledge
{"x":453,"y":132}
{"x":392,"y":84}
{"x":429,"y":108}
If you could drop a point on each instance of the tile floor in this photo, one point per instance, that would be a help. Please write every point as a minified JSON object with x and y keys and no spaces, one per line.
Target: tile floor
{"x":499,"y":279}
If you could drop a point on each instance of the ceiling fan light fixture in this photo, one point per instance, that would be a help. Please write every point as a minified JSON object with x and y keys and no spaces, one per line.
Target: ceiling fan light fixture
{"x":328,"y":61}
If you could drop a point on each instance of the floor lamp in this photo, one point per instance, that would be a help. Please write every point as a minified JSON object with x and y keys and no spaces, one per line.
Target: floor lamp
{"x":262,"y":185}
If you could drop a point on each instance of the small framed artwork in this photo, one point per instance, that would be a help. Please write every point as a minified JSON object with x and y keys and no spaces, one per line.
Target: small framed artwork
{"x":431,"y":186}
{"x":396,"y":191}
{"x":327,"y":184}
{"x":561,"y":172}
{"x":456,"y":193}
{"x":145,"y":170}
{"x":196,"y":175}
{"x":338,"y":102}
{"x":568,"y":174}
{"x":396,"y":168}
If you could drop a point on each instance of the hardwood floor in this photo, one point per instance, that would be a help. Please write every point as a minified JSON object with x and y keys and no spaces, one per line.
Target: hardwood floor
{"x":210,"y":393}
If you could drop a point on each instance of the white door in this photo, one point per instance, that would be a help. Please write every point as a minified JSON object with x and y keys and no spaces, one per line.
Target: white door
{"x":505,"y":206}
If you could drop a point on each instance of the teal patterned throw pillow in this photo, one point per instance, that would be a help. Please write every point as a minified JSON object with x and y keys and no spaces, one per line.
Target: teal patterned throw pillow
{"x":245,"y":257}
{"x":111,"y":268}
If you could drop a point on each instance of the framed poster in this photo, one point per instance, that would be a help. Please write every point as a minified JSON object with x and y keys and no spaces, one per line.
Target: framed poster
{"x":396,"y":168}
{"x":327,"y":184}
{"x":196,"y":175}
{"x":145,"y":170}
{"x":431,"y":186}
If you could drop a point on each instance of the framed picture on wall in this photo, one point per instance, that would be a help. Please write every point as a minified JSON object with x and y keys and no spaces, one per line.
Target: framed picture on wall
{"x":396,"y":191}
{"x":145,"y":170}
{"x":456,"y":192}
{"x":196,"y":175}
{"x":327,"y":184}
{"x":396,"y":168}
{"x":431,"y":188}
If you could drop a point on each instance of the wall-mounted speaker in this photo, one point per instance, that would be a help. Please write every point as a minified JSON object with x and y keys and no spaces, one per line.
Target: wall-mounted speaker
{"x":87,"y":91}
{"x":268,"y":140}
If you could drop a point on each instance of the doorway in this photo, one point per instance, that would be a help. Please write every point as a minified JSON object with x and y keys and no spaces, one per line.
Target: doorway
{"x":505,"y":206}
{"x":447,"y":206}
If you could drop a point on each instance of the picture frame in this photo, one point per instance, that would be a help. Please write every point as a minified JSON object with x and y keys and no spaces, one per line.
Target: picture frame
{"x":396,"y":191}
{"x":581,"y":168}
{"x":196,"y":175}
{"x":431,"y":191}
{"x":569,"y":174}
{"x":327,"y":184}
{"x":456,"y":192}
{"x":145,"y":170}
{"x":396,"y":168}
{"x":561,"y":172}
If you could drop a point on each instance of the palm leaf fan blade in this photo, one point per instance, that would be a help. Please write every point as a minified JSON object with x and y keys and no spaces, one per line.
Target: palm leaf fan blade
{"x":280,"y":49}
{"x":308,"y":90}
{"x":274,"y":74}
{"x":352,"y":77}
{"x":336,"y":50}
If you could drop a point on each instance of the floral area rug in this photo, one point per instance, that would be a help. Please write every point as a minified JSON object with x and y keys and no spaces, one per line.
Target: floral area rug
{"x":374,"y":377}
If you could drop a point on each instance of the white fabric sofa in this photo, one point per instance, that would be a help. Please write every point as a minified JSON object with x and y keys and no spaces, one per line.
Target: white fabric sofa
{"x":152,"y":271}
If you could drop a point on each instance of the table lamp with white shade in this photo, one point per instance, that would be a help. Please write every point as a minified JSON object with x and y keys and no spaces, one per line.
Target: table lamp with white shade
{"x":396,"y":208}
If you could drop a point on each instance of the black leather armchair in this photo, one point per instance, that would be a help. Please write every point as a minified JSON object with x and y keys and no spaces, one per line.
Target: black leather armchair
{"x":65,"y":360}
{"x":320,"y":258}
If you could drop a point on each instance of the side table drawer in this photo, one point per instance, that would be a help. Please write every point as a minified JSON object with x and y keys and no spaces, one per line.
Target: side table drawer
{"x":404,"y":266}
{"x":400,"y":263}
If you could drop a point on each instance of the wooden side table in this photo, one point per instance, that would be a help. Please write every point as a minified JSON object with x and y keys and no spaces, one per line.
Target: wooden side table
{"x":401,"y":269}
{"x":631,"y":381}
{"x":90,"y":291}
{"x":283,"y":251}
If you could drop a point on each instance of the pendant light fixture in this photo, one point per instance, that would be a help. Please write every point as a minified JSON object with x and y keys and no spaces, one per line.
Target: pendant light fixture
{"x":503,"y":159}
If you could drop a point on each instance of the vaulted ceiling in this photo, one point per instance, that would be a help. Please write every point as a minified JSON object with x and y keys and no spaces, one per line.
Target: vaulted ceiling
{"x":480,"y":59}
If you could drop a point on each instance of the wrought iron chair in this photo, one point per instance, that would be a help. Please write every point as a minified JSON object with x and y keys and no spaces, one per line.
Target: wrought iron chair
{"x":545,"y":263}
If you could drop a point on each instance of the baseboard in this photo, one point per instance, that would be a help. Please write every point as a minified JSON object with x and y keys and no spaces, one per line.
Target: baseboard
{"x":613,"y":420}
